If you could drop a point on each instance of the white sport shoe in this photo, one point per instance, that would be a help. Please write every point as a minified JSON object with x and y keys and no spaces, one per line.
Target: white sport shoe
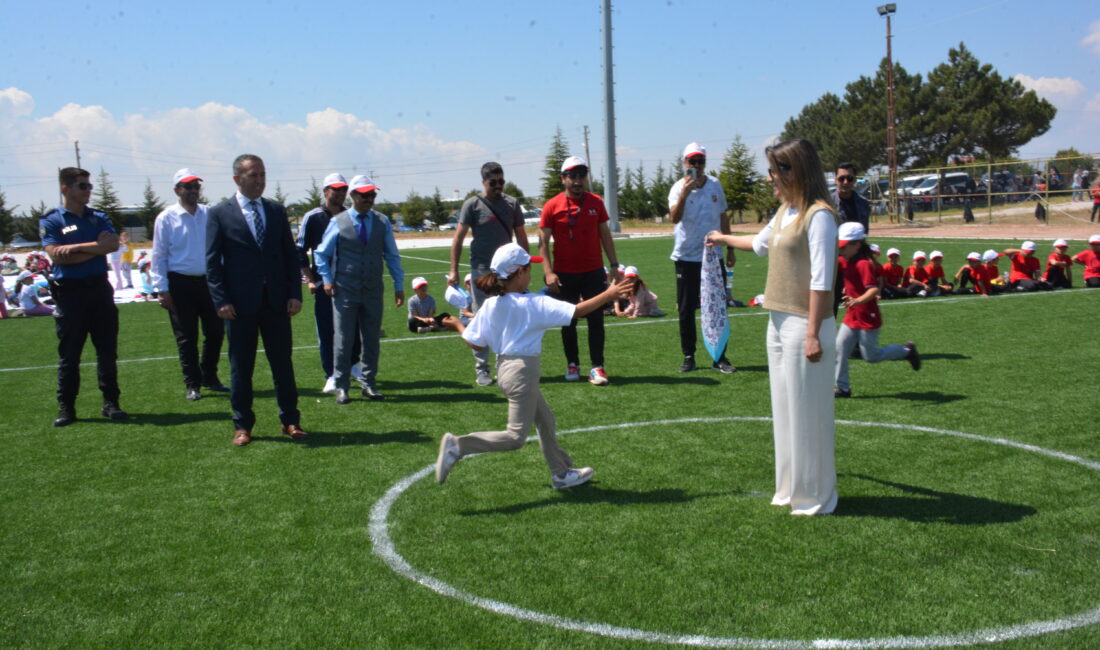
{"x":572,"y":372}
{"x":572,"y":478}
{"x":484,"y":378}
{"x":448,"y":456}
{"x":597,"y":377}
{"x":330,"y":386}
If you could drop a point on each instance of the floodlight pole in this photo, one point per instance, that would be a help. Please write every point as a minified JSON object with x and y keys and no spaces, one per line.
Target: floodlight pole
{"x":891,"y":122}
{"x":611,"y":189}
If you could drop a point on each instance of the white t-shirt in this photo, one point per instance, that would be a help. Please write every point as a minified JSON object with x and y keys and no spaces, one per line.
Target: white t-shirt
{"x":28,"y":297}
{"x":822,"y":233}
{"x":515,"y":322}
{"x":702,"y":214}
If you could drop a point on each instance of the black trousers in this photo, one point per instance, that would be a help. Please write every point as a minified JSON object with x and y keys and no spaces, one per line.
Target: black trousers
{"x":1058,"y":279}
{"x":244,"y":334}
{"x":688,"y":277}
{"x":85,"y":306}
{"x":1030,"y":285}
{"x":191,"y":305}
{"x":574,"y":288}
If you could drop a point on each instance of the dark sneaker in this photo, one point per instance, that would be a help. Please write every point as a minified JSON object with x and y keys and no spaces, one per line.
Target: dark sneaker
{"x":66,"y":415}
{"x":113,"y":412}
{"x":216,"y":386}
{"x":913,"y":357}
{"x":724,"y":366}
{"x":688,"y":365}
{"x":841,"y":393}
{"x":371,"y":393}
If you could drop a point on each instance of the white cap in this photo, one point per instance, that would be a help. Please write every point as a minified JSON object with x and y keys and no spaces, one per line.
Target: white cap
{"x":1028,"y":245}
{"x":875,"y":247}
{"x":418,"y":282}
{"x":630,"y":272}
{"x":1060,"y":242}
{"x":23,"y":275}
{"x":185,"y":175}
{"x":989,"y":255}
{"x":892,"y":251}
{"x":1094,"y":239}
{"x":757,"y":300}
{"x":850,"y":231}
{"x":974,"y":255}
{"x":694,"y":149}
{"x":363,"y":184}
{"x":509,"y":258}
{"x":919,"y":255}
{"x":468,"y":278}
{"x":334,"y":180}
{"x":573,"y":161}
{"x":935,"y":254}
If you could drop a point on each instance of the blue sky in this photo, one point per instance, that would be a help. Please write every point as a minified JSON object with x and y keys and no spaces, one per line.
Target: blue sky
{"x":423,"y":93}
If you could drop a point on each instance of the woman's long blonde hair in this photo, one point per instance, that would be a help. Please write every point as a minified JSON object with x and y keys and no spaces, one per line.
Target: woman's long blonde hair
{"x":797,"y":172}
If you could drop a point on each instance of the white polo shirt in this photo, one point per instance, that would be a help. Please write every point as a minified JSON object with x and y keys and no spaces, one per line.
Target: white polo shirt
{"x":515,"y":322}
{"x":702,"y":214}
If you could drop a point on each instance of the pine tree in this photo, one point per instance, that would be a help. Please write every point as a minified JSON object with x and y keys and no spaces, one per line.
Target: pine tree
{"x":551,"y":173}
{"x":738,"y":177}
{"x":280,"y":197}
{"x":106,"y":200}
{"x":437,"y":211}
{"x":150,"y":208}
{"x":7,"y":228}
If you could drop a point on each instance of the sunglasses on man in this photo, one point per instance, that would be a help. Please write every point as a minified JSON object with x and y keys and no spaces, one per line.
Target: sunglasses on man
{"x":576,"y":173}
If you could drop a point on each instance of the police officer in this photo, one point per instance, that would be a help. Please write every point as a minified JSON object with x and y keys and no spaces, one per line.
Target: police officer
{"x":78,"y":239}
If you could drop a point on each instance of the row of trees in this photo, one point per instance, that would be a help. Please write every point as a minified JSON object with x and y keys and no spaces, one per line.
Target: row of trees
{"x":962,"y":108}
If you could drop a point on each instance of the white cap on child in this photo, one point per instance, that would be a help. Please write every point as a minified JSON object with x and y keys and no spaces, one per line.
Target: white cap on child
{"x":509,"y":258}
{"x":989,"y":255}
{"x":419,"y":282}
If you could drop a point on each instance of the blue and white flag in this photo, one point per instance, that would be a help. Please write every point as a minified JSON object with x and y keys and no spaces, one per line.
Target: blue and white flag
{"x":712,"y":302}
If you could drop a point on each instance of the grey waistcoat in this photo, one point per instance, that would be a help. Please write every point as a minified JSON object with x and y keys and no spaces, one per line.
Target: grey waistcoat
{"x":358,"y":266}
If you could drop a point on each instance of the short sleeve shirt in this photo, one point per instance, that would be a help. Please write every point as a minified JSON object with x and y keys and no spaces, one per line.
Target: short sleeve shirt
{"x":422,"y":308}
{"x":1091,"y":261}
{"x":702,"y":214}
{"x":575,"y":228}
{"x":893,"y":273}
{"x":859,"y":276}
{"x":59,"y":227}
{"x":914,"y":273}
{"x":1023,"y":268}
{"x":492,"y":228}
{"x":515,"y":322}
{"x":934,"y":272}
{"x":1053,"y":258}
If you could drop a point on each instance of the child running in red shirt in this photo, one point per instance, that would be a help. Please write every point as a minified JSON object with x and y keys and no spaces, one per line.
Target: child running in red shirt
{"x":862,"y":319}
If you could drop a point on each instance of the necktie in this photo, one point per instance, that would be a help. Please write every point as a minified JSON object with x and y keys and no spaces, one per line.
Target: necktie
{"x":363,"y":228}
{"x":258,"y":221}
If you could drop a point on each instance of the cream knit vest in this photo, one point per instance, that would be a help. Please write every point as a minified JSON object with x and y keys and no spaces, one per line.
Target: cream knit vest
{"x":788,"y":287}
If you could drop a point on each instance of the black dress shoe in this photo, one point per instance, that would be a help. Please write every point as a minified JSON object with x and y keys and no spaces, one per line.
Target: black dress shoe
{"x":371,"y":393}
{"x":688,"y":365}
{"x":193,"y":394}
{"x":66,"y":415}
{"x":112,"y":411}
{"x":342,"y":396}
{"x":216,"y":386}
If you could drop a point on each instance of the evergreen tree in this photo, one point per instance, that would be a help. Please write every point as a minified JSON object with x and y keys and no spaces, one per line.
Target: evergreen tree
{"x":738,"y":177}
{"x":658,"y":191}
{"x":512,"y":190}
{"x":150,"y":208}
{"x":280,"y":196}
{"x":7,"y":227}
{"x":106,"y":200}
{"x":437,"y":211}
{"x":551,"y":173}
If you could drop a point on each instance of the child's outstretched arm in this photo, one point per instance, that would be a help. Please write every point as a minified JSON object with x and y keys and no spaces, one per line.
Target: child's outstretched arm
{"x":615,"y":290}
{"x":456,"y":325}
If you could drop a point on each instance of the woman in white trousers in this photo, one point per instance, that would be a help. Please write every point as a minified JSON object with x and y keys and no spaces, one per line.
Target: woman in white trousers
{"x":801,"y":244}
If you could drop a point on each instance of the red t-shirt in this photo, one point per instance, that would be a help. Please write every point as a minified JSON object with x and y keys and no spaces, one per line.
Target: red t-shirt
{"x":981,"y":275}
{"x":934,"y":272}
{"x":1057,"y":257}
{"x":858,"y":278}
{"x":1096,"y":195}
{"x":916,"y":273}
{"x":1023,"y":268}
{"x":575,"y":227}
{"x":893,"y":273}
{"x":1091,"y":262}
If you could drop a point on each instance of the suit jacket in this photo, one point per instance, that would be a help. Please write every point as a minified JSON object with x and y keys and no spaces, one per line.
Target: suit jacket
{"x":863,"y":210}
{"x":238,"y":270}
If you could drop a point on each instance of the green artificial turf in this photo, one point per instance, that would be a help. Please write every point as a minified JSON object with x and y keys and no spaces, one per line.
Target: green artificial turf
{"x":158,"y":532}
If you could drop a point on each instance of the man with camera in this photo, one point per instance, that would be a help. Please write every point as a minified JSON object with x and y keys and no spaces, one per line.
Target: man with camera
{"x":697,"y":205}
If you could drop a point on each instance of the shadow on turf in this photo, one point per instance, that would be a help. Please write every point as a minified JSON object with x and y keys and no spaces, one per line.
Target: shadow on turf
{"x":933,"y":396}
{"x":954,"y":356}
{"x":591,"y":493}
{"x":322,"y":439}
{"x":170,"y":419}
{"x":928,"y":506}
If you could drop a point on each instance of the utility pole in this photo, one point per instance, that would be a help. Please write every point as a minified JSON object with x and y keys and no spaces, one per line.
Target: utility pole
{"x":76,"y":146}
{"x":587,"y":156}
{"x":611,"y":191}
{"x":891,"y":126}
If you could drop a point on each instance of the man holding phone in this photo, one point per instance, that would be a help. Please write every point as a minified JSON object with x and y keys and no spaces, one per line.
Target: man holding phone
{"x":697,"y":205}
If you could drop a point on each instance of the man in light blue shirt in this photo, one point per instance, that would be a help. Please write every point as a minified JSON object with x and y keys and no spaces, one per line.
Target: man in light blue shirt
{"x":356,"y":244}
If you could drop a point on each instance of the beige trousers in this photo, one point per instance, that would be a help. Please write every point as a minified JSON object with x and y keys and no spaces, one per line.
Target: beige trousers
{"x":518,"y":378}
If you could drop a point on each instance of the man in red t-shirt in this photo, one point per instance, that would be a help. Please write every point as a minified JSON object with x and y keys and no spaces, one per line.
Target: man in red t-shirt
{"x":576,"y":220}
{"x":1090,"y":259}
{"x":1058,"y":266}
{"x":1024,"y":274}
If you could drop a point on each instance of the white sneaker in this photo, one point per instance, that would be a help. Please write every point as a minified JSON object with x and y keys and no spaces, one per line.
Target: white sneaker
{"x":597,"y":376}
{"x":357,"y":372}
{"x":484,"y":378}
{"x":572,"y":478}
{"x":572,"y":372}
{"x":330,"y":386}
{"x":448,"y":456}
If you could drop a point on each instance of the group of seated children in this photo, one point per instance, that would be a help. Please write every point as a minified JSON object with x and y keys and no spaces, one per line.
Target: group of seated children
{"x":29,"y":295}
{"x":981,"y":274}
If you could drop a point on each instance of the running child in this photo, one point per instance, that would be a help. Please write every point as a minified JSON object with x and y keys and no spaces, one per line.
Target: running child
{"x":862,"y":319}
{"x":512,"y":323}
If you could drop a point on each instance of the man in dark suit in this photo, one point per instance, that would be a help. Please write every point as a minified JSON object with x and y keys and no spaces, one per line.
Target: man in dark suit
{"x":252,"y":270}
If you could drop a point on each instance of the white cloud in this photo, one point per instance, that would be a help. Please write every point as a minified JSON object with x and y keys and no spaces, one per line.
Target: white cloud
{"x":1092,"y":38}
{"x":1053,"y":88}
{"x":1094,"y":104}
{"x":206,"y":138}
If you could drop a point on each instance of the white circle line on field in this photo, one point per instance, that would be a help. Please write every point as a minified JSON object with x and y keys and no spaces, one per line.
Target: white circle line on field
{"x":384,"y":548}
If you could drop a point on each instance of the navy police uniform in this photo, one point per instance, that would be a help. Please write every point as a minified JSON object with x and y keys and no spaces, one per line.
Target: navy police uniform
{"x":85,"y":304}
